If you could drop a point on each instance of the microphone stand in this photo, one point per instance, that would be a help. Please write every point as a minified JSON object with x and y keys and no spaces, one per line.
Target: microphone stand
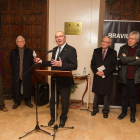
{"x":37,"y":128}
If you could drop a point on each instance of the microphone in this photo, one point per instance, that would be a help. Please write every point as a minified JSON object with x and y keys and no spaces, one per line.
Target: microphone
{"x":34,"y":55}
{"x":50,"y":51}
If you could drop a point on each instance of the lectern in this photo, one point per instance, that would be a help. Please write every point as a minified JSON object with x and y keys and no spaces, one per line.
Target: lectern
{"x":55,"y":74}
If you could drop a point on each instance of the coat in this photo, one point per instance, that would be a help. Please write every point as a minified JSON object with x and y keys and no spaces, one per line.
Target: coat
{"x":125,"y":61}
{"x":69,"y":62}
{"x":27,"y":78}
{"x":103,"y":86}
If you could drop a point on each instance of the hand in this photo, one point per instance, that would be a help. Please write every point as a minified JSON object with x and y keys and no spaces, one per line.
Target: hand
{"x":56,"y":63}
{"x":100,"y":73}
{"x":137,"y":57}
{"x":40,"y":61}
{"x":124,"y":54}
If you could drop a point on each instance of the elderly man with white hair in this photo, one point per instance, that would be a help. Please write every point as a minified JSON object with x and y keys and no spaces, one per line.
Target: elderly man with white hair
{"x":21,"y":59}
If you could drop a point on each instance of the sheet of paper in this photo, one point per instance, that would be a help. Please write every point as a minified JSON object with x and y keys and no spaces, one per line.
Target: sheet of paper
{"x":101,"y":68}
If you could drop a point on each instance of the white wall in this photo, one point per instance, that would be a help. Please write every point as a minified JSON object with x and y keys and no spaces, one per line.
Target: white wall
{"x":91,"y":14}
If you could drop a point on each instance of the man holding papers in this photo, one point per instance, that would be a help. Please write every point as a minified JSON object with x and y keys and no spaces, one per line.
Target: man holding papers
{"x":103,"y":64}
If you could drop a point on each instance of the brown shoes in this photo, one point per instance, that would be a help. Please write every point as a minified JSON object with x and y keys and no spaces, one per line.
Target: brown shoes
{"x":5,"y":109}
{"x":15,"y":106}
{"x":30,"y":105}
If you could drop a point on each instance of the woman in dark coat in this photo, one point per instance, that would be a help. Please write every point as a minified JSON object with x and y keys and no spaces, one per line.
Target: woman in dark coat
{"x":21,"y":59}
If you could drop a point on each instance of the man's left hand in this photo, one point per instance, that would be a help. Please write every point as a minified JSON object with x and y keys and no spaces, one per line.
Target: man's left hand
{"x":56,"y":63}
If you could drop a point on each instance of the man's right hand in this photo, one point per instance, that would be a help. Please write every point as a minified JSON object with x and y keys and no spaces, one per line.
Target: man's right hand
{"x":38,"y":60}
{"x":124,"y":54}
{"x":100,"y":73}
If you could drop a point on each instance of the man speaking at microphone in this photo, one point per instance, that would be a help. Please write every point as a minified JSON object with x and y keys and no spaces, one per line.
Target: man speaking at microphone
{"x":64,"y":58}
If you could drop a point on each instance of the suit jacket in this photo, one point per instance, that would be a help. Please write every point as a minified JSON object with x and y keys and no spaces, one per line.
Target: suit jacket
{"x":103,"y":86}
{"x":69,"y":62}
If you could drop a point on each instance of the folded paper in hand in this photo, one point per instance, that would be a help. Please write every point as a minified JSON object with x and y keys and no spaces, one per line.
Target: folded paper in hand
{"x":101,"y":68}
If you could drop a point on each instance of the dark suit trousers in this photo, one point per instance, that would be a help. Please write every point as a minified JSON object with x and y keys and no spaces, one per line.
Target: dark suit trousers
{"x":65,"y":94}
{"x":17,"y":97}
{"x":96,"y":103}
{"x":129,"y":88}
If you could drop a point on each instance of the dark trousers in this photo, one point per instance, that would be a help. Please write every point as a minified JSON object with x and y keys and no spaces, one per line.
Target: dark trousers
{"x":96,"y":103}
{"x":65,"y":94}
{"x":17,"y":97}
{"x":1,"y":94}
{"x":129,"y":88}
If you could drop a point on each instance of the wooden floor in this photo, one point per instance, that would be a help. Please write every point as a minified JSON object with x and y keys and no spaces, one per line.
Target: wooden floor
{"x":17,"y":122}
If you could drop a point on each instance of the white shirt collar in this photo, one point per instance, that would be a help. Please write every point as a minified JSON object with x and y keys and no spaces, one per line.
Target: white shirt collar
{"x":105,"y":50}
{"x":62,"y":46}
{"x":60,"y":50}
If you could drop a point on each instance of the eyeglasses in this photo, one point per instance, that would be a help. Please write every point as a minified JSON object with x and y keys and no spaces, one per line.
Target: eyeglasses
{"x":105,"y":41}
{"x":58,"y":36}
{"x":20,"y":41}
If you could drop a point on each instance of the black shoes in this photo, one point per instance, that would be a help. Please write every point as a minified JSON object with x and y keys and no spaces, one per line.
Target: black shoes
{"x":132,"y":118}
{"x":122,"y":115}
{"x":93,"y":113}
{"x":105,"y":115}
{"x":62,"y":123}
{"x":51,"y":122}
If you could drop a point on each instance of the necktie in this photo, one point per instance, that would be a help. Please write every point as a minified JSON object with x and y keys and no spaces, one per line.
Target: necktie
{"x":104,"y":54}
{"x":58,"y":53}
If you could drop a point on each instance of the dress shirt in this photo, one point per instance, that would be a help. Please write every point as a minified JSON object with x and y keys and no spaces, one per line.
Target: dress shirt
{"x":58,"y":50}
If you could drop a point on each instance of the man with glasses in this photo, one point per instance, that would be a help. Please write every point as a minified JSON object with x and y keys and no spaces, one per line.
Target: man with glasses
{"x":129,"y":74}
{"x":21,"y":59}
{"x":103,"y":64}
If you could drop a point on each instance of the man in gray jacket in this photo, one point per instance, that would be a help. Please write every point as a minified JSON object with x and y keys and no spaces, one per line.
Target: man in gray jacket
{"x":129,"y":74}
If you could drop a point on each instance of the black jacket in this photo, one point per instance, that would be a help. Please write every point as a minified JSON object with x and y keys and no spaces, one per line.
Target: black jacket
{"x":128,"y":60}
{"x":27,"y":78}
{"x":69,"y":63}
{"x":103,"y":86}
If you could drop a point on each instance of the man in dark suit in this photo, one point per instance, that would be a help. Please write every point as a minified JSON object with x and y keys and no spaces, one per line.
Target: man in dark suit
{"x":64,"y":58}
{"x":21,"y":59}
{"x":103,"y":64}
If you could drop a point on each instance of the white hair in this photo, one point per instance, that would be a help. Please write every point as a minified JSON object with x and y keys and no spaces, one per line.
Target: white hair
{"x":20,"y":37}
{"x":135,"y":33}
{"x":109,"y":38}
